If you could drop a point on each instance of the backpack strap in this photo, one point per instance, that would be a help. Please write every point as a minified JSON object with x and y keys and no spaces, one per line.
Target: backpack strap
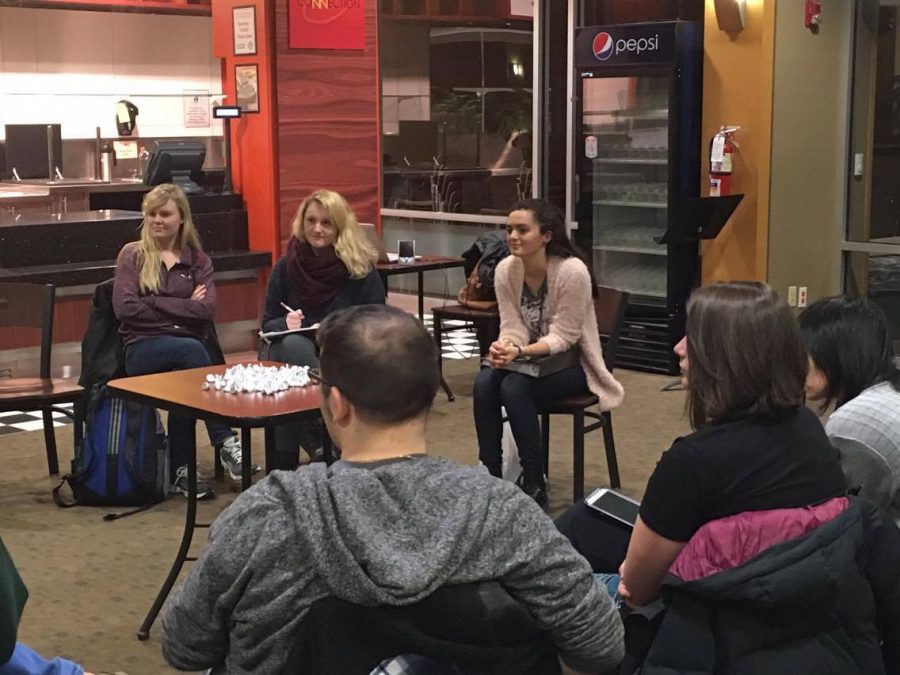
{"x":57,"y":497}
{"x":125,"y":514}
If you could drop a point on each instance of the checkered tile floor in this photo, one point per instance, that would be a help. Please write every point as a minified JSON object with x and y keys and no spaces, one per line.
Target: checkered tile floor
{"x":12,"y":422}
{"x":457,"y":341}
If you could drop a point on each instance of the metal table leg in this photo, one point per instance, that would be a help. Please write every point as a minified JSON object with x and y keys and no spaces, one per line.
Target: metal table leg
{"x":421,"y":275}
{"x":269,"y":435}
{"x":246,"y":453}
{"x":189,"y":524}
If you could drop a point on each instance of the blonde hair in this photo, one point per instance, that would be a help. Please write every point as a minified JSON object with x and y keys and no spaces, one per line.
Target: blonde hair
{"x":149,"y":259}
{"x":352,"y":245}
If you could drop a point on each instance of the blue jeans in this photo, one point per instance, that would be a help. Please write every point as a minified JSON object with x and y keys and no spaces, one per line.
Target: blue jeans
{"x":522,"y":396}
{"x":165,"y":354}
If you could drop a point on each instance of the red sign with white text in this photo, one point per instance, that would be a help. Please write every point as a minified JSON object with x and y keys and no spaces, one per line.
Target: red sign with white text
{"x":326,"y":24}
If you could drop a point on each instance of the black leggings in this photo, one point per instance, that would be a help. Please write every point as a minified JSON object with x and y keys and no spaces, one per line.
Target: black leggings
{"x":603,"y":541}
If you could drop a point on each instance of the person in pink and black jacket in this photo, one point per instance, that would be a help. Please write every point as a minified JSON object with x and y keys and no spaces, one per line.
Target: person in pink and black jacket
{"x":762,"y":562}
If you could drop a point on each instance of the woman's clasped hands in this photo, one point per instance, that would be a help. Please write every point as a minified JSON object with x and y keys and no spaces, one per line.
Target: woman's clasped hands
{"x":502,"y":352}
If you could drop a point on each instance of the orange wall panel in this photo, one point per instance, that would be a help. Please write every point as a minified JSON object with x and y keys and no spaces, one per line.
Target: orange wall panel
{"x":252,"y":136}
{"x":328,"y":131}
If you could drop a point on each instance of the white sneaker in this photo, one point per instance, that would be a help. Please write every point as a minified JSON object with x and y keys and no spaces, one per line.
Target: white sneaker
{"x":180,"y":484}
{"x":230,"y":457}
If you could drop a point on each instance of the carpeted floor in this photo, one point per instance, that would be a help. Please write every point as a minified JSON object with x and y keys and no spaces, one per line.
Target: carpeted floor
{"x":91,"y":581}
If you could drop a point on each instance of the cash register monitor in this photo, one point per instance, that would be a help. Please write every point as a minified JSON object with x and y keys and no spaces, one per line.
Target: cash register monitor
{"x":178,"y":162}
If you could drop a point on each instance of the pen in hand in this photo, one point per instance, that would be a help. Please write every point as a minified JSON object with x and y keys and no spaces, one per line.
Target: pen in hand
{"x":292,"y":315}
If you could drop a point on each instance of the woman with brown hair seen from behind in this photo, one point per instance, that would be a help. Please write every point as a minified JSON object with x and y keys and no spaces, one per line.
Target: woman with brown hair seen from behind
{"x":165,"y":299}
{"x":329,"y":265}
{"x":741,"y":518}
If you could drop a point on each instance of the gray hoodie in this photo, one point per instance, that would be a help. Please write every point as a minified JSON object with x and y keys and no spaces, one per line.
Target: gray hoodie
{"x":389,"y":534}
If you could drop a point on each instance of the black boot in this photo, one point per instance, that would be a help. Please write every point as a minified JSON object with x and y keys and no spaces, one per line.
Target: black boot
{"x":534,"y":488}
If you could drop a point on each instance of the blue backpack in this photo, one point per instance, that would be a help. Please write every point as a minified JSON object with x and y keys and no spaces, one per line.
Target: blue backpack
{"x":123,"y":458}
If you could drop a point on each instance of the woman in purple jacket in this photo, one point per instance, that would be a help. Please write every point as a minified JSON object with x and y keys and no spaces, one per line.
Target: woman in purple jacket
{"x":164,"y":298}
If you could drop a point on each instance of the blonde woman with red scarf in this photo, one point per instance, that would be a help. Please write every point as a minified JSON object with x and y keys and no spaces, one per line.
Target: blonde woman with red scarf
{"x":329,"y":265}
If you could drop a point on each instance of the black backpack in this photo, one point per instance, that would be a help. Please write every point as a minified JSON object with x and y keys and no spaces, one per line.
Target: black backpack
{"x":485,"y":254}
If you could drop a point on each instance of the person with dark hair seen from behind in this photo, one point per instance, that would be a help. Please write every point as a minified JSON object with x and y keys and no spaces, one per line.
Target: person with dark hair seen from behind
{"x":386,"y":525}
{"x":745,"y":521}
{"x":852,"y":365}
{"x":164,"y":298}
{"x":545,"y":298}
{"x":329,"y":264}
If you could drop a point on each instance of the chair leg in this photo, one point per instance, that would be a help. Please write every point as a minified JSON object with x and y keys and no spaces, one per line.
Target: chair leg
{"x":578,"y":458}
{"x":218,"y":469}
{"x":545,"y":442}
{"x":50,"y":441}
{"x":611,"y":462}
{"x":436,"y":333}
{"x":436,"y":329}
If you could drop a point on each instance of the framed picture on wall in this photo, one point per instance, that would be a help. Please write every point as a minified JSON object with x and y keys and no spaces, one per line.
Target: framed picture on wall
{"x":243,"y":23}
{"x":246,"y":84}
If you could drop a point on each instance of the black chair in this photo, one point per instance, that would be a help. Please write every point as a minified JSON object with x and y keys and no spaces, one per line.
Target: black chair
{"x":609,"y":306}
{"x":31,"y":306}
{"x":477,"y":627}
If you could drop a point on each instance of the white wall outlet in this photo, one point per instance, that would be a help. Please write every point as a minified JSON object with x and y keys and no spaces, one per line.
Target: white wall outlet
{"x":801,"y":297}
{"x":792,"y":296}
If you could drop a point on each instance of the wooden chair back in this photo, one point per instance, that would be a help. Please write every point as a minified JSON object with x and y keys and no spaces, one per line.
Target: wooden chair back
{"x":609,"y":307}
{"x":30,"y":306}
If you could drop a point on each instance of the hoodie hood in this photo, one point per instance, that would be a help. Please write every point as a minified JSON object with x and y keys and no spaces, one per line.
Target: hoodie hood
{"x":357,"y":527}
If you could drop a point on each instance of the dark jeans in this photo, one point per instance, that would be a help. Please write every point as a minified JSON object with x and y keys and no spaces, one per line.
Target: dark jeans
{"x":297,"y":350}
{"x":602,"y":540}
{"x":162,"y":355}
{"x":521,"y":395}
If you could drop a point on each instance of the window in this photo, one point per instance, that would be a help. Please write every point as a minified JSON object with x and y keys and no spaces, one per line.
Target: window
{"x":457,"y":102}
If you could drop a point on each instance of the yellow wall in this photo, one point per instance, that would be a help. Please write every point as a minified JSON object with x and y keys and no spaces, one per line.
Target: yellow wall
{"x":737,"y":90}
{"x":810,"y":120}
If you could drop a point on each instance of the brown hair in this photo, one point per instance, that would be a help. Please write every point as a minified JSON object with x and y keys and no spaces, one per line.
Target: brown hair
{"x":745,"y":353}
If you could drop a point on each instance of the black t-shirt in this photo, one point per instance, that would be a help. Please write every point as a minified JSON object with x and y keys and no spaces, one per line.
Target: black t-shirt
{"x":747,"y":464}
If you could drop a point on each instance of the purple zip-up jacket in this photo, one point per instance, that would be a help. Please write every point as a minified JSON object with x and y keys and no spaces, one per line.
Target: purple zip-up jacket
{"x":171,"y":312}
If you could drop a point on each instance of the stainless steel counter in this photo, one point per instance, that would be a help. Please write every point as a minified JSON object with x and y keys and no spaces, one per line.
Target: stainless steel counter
{"x":60,"y":196}
{"x":77,"y":185}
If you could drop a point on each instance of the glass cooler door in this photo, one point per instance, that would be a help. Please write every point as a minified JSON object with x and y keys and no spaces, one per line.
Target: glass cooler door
{"x":623,"y":166}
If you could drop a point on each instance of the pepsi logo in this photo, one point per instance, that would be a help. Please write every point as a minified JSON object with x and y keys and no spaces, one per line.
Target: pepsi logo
{"x":603,"y":46}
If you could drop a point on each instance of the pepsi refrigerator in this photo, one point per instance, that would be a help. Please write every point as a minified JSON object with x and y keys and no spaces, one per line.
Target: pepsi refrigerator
{"x":637,"y":151}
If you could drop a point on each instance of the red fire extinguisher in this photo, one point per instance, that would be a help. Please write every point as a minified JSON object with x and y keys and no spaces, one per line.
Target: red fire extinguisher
{"x":721,"y":166}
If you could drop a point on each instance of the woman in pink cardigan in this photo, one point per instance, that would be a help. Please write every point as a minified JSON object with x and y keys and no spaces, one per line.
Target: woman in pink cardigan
{"x":545,"y":295}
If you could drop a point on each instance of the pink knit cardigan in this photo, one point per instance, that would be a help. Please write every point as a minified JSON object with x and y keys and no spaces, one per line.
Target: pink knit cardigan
{"x":572,"y":319}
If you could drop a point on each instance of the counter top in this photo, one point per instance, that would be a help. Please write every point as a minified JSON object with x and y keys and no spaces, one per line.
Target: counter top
{"x":104,"y":215}
{"x":16,"y":192}
{"x":77,"y":185}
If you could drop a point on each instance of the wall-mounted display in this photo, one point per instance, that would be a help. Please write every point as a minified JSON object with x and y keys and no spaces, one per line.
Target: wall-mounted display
{"x":246,"y":82}
{"x":243,"y":22}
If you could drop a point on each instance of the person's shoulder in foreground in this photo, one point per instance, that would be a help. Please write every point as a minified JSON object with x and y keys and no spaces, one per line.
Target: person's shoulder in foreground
{"x":386,"y":525}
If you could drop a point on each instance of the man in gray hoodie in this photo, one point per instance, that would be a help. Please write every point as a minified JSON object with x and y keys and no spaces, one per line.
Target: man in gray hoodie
{"x":385,"y":525}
